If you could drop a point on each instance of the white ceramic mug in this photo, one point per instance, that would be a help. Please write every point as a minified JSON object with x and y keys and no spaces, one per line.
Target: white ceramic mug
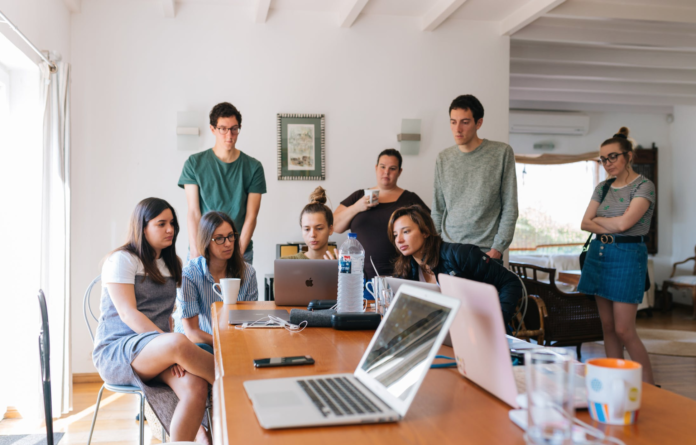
{"x":373,"y":194}
{"x":229,"y":289}
{"x":614,"y":388}
{"x":376,"y":285}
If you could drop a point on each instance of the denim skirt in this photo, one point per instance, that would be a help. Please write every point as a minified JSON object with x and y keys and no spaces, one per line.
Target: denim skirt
{"x":615,"y":271}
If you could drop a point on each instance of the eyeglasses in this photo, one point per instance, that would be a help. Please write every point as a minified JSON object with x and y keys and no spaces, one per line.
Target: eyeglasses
{"x":611,"y":158}
{"x":225,"y":130}
{"x":220,"y":240}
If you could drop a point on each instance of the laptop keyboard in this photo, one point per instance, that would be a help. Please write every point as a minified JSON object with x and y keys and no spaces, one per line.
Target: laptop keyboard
{"x":337,"y":396}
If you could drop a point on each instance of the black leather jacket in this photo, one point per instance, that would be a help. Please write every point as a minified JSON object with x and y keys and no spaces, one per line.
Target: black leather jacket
{"x":468,"y":261}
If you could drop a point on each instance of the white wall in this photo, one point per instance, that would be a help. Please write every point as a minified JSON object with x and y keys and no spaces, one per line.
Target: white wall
{"x":683,"y":134}
{"x":645,"y":128}
{"x":134,"y":69}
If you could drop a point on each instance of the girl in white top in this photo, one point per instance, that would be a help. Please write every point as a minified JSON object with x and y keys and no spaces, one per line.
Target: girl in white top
{"x":133,"y":344}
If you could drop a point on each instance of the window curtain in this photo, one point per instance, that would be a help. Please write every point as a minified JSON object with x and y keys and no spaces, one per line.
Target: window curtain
{"x":55,"y":227}
{"x":554,"y":159}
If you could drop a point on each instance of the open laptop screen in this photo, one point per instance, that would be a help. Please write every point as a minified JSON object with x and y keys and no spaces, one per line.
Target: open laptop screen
{"x":399,"y":355}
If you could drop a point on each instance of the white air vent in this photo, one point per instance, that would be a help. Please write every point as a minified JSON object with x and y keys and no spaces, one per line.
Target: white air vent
{"x":544,"y":122}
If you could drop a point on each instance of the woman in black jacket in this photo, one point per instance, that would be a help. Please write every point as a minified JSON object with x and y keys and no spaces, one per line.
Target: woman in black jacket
{"x":424,"y":255}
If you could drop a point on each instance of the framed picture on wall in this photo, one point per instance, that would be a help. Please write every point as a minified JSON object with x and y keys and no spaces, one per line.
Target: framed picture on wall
{"x":301,"y":150}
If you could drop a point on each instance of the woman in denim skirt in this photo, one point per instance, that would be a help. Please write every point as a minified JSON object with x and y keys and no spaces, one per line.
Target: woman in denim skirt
{"x":617,"y":261}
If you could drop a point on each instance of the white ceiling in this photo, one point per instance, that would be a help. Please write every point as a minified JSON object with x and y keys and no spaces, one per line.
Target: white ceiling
{"x":624,"y":55}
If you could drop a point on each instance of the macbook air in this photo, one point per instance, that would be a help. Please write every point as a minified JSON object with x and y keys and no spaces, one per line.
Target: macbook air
{"x":481,"y":348}
{"x":395,"y":284}
{"x":297,"y":282}
{"x":385,"y":382}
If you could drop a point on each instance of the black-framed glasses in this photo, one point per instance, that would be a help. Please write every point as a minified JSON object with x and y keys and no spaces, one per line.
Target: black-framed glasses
{"x":224,"y":130}
{"x":611,"y":158}
{"x":220,"y":240}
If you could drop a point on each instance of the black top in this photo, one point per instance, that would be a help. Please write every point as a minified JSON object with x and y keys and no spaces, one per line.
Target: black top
{"x":371,"y":227}
{"x":468,"y":261}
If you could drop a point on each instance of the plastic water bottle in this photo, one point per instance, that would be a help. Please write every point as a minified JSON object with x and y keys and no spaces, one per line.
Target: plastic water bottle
{"x":351,"y":258}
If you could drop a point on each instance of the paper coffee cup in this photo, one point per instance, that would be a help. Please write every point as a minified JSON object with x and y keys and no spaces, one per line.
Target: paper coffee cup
{"x":229,"y":289}
{"x":373,"y":194}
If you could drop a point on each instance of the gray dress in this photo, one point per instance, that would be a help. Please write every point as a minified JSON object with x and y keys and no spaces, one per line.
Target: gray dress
{"x":116,"y":345}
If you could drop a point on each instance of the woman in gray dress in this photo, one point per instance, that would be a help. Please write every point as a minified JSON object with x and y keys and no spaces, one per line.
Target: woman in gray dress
{"x":133,"y":345}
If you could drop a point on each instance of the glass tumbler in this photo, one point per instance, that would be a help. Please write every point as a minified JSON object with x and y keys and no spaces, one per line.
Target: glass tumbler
{"x":385,"y":298}
{"x":550,"y":391}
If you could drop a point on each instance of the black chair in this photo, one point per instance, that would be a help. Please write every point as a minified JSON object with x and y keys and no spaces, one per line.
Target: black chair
{"x":45,"y":353}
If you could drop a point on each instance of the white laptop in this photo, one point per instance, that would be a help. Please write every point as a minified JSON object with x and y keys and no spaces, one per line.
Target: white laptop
{"x":297,"y":282}
{"x":385,"y":382}
{"x":482,"y":349}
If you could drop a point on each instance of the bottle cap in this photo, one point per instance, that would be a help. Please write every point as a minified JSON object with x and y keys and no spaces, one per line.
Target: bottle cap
{"x":353,"y":235}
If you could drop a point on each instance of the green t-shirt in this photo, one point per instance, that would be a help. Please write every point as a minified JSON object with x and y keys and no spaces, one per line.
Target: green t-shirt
{"x":223,"y":186}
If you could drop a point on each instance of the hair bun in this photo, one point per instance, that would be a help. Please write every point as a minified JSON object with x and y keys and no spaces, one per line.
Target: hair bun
{"x":318,"y":195}
{"x":622,"y":133}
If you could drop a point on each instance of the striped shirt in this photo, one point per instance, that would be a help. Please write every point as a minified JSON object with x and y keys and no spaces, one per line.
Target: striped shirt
{"x":196,"y":293}
{"x":619,"y":198}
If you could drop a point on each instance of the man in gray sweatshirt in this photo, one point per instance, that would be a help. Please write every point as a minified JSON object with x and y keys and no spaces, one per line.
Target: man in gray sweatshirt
{"x":475,"y":199}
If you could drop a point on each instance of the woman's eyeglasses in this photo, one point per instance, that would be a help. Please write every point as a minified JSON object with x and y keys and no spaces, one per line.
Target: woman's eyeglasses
{"x":220,"y":240}
{"x":611,"y":158}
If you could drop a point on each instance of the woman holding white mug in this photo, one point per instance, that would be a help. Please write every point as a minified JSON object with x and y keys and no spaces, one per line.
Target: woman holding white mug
{"x":221,"y":258}
{"x":367,"y":212}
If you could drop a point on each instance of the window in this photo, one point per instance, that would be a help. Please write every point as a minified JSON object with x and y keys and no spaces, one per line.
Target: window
{"x":552,"y":200}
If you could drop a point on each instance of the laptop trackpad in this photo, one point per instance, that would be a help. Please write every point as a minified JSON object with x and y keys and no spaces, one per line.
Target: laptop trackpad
{"x":278,"y":399}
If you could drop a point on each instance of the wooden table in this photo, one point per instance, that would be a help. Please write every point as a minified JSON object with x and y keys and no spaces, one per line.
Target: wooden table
{"x":570,"y":277}
{"x":448,"y":408}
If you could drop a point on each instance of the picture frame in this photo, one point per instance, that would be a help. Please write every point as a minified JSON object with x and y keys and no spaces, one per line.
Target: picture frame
{"x":301,"y":147}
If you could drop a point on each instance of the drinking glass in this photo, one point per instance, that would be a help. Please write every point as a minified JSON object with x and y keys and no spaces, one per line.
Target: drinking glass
{"x":385,"y":298}
{"x":549,"y":374}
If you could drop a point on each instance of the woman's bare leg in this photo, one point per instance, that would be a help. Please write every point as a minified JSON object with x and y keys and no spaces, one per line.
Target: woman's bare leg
{"x":192,"y":392}
{"x":168,"y":349}
{"x":613,"y":347}
{"x":204,"y":436}
{"x":625,"y":328}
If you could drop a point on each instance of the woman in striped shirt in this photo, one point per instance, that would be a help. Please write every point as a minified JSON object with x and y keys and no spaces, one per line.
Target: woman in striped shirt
{"x":218,"y":241}
{"x":617,"y":261}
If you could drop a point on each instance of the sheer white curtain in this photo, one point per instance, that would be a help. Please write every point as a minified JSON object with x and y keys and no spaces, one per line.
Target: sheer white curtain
{"x":55,"y":227}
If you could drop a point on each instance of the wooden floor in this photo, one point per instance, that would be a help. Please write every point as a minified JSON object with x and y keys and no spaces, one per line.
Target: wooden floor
{"x":116,"y":421}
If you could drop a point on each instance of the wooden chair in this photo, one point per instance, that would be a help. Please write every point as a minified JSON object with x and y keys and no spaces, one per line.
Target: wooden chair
{"x":681,"y":282}
{"x":554,"y":317}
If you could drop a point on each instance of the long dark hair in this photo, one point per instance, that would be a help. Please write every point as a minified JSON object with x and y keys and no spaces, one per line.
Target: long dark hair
{"x":206,"y":228}
{"x":147,"y":210}
{"x":317,"y":204}
{"x":431,"y":245}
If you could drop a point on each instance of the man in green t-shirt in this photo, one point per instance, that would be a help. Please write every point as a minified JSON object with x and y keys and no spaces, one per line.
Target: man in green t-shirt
{"x":224,"y":179}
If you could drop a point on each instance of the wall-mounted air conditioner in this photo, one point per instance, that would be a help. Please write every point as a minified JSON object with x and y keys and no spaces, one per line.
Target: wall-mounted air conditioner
{"x":545,"y":122}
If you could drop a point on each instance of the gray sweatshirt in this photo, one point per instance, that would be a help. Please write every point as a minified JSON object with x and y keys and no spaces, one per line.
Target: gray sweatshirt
{"x":475,"y":198}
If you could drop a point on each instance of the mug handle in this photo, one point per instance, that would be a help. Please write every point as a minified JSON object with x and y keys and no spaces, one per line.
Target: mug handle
{"x":618,"y":398}
{"x":219,"y":294}
{"x":372,"y":292}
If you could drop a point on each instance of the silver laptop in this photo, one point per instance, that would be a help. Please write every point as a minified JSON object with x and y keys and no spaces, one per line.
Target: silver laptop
{"x":297,"y":282}
{"x":482,"y":349}
{"x":256,"y":317}
{"x":385,"y":382}
{"x":396,"y":283}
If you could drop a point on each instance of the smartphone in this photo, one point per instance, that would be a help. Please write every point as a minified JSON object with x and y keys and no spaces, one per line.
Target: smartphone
{"x":283,"y":361}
